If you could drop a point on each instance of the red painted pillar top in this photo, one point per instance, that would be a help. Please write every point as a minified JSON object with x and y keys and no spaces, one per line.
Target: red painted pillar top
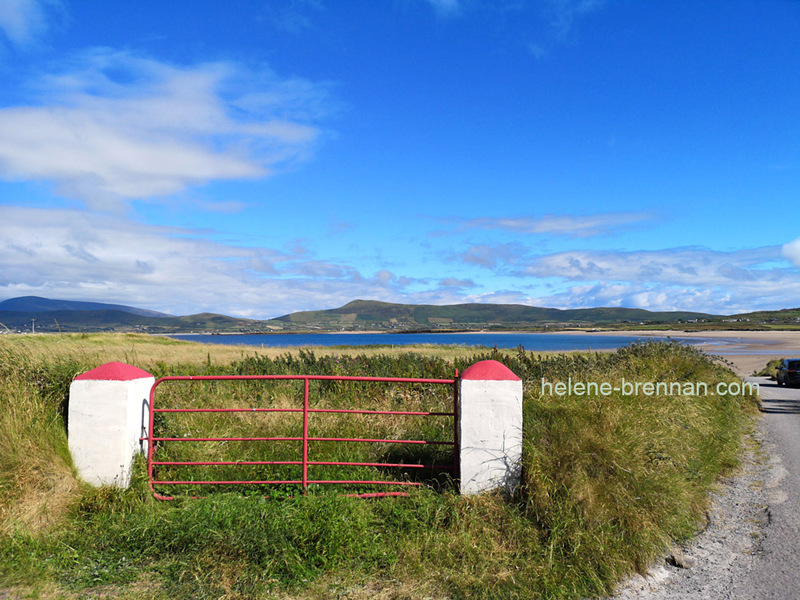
{"x":114,"y":371}
{"x":489,"y":370}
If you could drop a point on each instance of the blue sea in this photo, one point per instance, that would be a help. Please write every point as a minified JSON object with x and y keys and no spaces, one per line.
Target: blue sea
{"x":544,"y":342}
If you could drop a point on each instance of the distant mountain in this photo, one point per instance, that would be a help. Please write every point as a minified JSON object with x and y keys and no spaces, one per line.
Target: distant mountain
{"x":35,"y":304}
{"x":369,"y":314}
{"x":43,"y":315}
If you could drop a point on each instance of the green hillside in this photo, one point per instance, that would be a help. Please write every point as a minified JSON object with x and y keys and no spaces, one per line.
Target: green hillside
{"x":369,"y":314}
{"x":116,"y":320}
{"x":784,"y":316}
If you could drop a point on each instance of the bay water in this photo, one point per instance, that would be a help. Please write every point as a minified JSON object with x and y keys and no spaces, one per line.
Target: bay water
{"x":543,"y":342}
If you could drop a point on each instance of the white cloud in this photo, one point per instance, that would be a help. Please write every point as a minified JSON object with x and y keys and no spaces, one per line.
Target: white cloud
{"x":671,"y":279}
{"x":677,"y":266}
{"x":115,"y":127}
{"x":792,"y":251}
{"x":23,"y":21}
{"x":652,"y":297}
{"x":80,"y":255}
{"x":562,"y":225}
{"x":690,"y":278}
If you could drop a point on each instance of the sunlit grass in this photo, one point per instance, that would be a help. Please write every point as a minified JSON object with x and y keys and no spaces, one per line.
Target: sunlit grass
{"x":608,"y":481}
{"x":147,"y":351}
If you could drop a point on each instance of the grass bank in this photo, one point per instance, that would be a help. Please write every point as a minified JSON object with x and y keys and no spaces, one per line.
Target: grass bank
{"x":608,"y":482}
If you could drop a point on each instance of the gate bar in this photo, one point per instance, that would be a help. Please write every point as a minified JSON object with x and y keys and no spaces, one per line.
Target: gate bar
{"x":305,"y":438}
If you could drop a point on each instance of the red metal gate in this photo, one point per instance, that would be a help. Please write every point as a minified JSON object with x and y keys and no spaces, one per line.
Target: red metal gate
{"x":305,"y":441}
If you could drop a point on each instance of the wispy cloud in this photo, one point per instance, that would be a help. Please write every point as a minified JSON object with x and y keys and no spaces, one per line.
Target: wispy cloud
{"x":491,"y":256}
{"x":81,"y":255}
{"x":562,"y":225}
{"x":654,"y":297}
{"x":560,"y":18}
{"x":688,"y":278}
{"x":293,"y":17}
{"x":446,"y":8}
{"x":221,"y":206}
{"x":675,"y":278}
{"x":113,"y":126}
{"x":23,"y":22}
{"x":453,"y":282}
{"x":691,"y":266}
{"x":562,"y":14}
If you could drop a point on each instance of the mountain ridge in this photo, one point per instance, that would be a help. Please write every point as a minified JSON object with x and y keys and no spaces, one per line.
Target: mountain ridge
{"x":32,"y":304}
{"x":369,"y":315}
{"x":394,"y":316}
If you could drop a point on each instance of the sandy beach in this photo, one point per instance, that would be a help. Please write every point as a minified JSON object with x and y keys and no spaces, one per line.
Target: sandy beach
{"x":748,"y":351}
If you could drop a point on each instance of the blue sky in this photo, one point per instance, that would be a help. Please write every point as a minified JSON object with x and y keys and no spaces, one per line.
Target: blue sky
{"x":259,"y":157}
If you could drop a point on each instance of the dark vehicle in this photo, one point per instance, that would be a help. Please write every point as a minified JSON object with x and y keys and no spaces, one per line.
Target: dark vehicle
{"x":789,"y":372}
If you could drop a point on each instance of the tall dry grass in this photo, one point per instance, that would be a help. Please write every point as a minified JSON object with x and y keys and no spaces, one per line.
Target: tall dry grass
{"x":37,"y":481}
{"x":607,"y":483}
{"x":147,"y":351}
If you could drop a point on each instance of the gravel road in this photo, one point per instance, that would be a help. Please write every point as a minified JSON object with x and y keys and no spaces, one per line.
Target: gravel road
{"x":750,"y":549}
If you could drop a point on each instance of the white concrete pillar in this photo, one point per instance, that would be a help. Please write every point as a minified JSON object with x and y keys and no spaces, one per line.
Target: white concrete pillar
{"x":490,"y":428}
{"x":107,"y":416}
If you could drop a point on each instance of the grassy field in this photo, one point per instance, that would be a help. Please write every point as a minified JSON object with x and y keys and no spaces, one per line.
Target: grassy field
{"x":609,"y":482}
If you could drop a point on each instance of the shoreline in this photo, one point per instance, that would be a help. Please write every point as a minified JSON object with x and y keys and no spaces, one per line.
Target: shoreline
{"x":745,"y":351}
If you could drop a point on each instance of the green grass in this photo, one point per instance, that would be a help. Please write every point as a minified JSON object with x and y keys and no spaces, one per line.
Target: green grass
{"x":770,"y":369}
{"x":608,"y":483}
